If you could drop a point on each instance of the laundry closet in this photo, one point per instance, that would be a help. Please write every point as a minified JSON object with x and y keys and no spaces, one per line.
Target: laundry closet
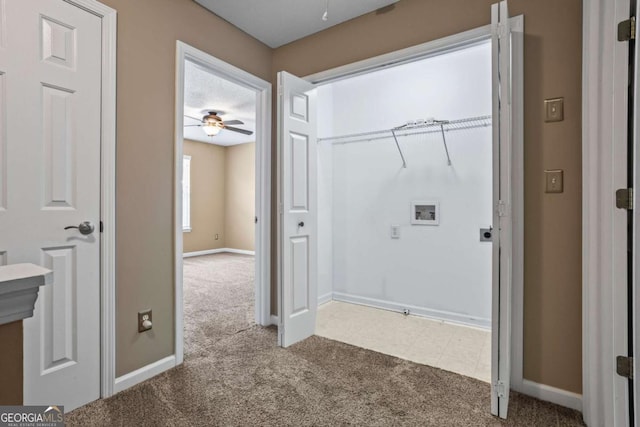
{"x":405,"y":194}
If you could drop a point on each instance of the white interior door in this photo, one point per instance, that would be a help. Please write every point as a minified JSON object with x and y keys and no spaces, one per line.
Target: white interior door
{"x":297,"y":139}
{"x":50,"y":97}
{"x":502,"y":239}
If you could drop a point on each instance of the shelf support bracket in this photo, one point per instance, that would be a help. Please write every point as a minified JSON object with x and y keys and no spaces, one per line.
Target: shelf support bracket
{"x":395,"y":138}
{"x":444,"y":141}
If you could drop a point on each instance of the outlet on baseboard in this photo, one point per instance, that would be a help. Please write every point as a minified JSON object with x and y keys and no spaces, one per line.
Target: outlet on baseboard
{"x":145,"y":320}
{"x":217,"y":236}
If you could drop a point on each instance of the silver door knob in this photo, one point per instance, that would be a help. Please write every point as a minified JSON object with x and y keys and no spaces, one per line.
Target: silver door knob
{"x":85,"y":227}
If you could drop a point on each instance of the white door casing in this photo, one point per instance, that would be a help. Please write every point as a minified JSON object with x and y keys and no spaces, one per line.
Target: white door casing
{"x":297,"y":142}
{"x":635,"y":218}
{"x":50,"y":96}
{"x":502,"y":198}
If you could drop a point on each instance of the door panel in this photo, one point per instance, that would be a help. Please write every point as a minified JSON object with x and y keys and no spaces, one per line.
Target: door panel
{"x":298,"y":236}
{"x":502,"y":238}
{"x":50,"y":100}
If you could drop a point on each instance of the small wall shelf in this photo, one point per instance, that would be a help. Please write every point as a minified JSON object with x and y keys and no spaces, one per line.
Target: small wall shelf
{"x":19,"y":285}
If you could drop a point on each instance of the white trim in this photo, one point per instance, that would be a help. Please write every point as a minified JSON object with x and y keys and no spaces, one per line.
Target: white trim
{"x":263,"y":181}
{"x":552,"y":394}
{"x":402,"y":56}
{"x":108,"y":17}
{"x":446,"y":316}
{"x":201,"y":253}
{"x":186,"y":195}
{"x":323,"y":299}
{"x":604,"y":136}
{"x":517,"y":202}
{"x":435,"y":47}
{"x":217,"y":251}
{"x":274,"y":320}
{"x":239,"y":251}
{"x":146,"y":372}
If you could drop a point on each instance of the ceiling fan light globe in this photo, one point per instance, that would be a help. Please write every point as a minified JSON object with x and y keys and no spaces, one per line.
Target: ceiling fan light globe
{"x":211,"y":130}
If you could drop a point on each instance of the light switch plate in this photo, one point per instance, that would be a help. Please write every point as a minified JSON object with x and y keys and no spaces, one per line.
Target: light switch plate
{"x":554,"y":181}
{"x":554,"y":110}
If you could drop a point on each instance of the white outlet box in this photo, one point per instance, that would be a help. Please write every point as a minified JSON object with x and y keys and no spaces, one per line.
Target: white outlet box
{"x":395,"y":231}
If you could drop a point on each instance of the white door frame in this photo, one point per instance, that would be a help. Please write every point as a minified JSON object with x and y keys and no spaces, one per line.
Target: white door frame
{"x":108,"y":16}
{"x":263,"y":182}
{"x":604,"y":239}
{"x":449,"y":44}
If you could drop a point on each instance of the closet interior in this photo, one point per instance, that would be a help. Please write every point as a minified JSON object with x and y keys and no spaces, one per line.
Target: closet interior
{"x":405,"y":190}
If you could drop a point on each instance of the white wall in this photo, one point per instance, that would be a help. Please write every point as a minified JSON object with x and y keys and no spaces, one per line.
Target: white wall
{"x":442,"y":271}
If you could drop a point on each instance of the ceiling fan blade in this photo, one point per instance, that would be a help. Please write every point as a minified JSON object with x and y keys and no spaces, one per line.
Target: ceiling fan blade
{"x":188,"y":126}
{"x":233,"y":122}
{"x":193,"y":118}
{"x":243,"y":131}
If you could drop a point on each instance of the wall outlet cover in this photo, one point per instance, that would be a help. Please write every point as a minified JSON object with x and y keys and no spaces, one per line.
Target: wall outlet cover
{"x":145,"y":315}
{"x":554,"y":180}
{"x":554,"y":110}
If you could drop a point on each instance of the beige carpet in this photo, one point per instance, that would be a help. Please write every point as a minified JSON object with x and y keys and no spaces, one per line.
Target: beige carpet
{"x":235,"y":375}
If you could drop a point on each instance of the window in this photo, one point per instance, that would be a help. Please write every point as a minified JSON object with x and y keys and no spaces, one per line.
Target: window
{"x":186,"y":193}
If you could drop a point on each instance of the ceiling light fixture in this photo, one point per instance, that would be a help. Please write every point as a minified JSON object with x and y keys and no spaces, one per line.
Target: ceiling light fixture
{"x":211,"y":127}
{"x":325,"y":16}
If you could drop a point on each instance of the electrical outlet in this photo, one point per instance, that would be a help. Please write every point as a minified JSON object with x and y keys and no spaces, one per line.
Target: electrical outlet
{"x":217,"y":237}
{"x":395,"y":231}
{"x":145,"y":320}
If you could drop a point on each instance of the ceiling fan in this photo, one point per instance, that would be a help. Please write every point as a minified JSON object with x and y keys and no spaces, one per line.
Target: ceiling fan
{"x":212,"y":124}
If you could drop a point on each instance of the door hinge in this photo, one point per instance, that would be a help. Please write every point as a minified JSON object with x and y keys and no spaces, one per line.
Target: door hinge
{"x":500,"y":31}
{"x":624,"y":366}
{"x":101,"y":227}
{"x":627,"y":30}
{"x":624,"y":198}
{"x":500,"y":389}
{"x":502,"y":209}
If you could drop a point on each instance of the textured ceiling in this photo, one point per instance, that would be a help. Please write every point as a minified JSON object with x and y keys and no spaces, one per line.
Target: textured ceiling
{"x":205,"y":91}
{"x":278,"y":22}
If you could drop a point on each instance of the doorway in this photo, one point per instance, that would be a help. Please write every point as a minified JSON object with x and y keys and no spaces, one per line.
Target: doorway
{"x":298,"y":234}
{"x":59,"y":174}
{"x":405,"y":211}
{"x":222,"y":197}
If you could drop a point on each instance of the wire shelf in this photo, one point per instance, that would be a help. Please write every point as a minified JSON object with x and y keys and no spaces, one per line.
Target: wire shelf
{"x":406,"y":130}
{"x":414,"y":128}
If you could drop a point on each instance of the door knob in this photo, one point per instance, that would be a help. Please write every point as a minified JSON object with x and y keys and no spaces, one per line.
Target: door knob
{"x":85,"y":227}
{"x":301,"y":224}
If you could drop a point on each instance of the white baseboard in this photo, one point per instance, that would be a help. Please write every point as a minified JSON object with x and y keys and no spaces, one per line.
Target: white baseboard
{"x":200,"y":253}
{"x":415,"y":310}
{"x":274,"y":320}
{"x":144,"y":373}
{"x":239,"y":251}
{"x":323,"y":299}
{"x":551,"y":394}
{"x":217,"y":251}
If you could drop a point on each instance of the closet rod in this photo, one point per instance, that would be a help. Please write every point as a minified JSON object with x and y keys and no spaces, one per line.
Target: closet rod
{"x":437,"y":126}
